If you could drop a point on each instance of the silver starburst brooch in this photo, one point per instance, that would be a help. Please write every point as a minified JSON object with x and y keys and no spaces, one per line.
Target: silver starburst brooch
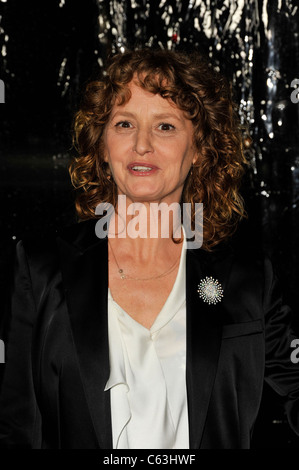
{"x":210,"y":290}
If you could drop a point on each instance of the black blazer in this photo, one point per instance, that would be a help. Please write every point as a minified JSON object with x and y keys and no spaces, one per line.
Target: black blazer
{"x":57,"y":359}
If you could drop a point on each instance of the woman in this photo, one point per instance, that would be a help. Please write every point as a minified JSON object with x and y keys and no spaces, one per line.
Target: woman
{"x":125,"y":342}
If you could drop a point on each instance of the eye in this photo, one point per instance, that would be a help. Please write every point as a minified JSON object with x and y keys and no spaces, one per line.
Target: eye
{"x":165,"y":126}
{"x":123,"y":124}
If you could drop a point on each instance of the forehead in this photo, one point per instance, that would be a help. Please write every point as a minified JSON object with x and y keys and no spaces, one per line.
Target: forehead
{"x":140,"y":97}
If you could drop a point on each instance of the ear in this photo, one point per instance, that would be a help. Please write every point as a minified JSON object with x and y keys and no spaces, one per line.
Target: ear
{"x":195,"y":158}
{"x":102,"y":147}
{"x":105,"y":155}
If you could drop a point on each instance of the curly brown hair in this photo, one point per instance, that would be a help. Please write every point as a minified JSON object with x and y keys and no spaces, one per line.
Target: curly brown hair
{"x":205,"y":96}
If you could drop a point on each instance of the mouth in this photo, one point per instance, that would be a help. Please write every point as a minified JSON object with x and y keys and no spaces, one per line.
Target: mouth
{"x":139,"y":169}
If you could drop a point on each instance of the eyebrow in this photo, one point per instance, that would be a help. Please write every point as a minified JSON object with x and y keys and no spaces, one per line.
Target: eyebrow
{"x":155,"y":115}
{"x":166,"y":116}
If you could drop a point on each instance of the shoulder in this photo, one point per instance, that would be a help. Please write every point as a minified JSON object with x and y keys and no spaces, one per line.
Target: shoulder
{"x":41,"y":252}
{"x":39,"y":257}
{"x":246,"y":275}
{"x":45,"y":243}
{"x":242,"y":261}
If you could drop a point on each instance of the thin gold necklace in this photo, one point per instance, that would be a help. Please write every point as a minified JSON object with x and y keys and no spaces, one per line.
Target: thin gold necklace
{"x":126,"y":276}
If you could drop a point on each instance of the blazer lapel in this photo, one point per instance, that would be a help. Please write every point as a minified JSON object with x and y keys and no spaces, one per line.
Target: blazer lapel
{"x":85,"y":273}
{"x":204,"y":332}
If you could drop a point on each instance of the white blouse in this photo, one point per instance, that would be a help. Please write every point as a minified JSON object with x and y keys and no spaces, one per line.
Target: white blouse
{"x":147,"y":379}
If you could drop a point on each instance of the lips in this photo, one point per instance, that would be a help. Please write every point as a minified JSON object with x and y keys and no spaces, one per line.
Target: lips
{"x":142,"y":169}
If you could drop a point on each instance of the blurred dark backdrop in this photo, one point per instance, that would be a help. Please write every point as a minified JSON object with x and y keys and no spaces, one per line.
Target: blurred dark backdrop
{"x":49,"y":50}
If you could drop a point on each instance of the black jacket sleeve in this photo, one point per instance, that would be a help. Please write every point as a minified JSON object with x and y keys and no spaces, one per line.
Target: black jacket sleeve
{"x":20,"y":421}
{"x":281,"y":331}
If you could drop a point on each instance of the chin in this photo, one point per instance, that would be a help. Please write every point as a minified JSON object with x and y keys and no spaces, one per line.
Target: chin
{"x":142,"y":194}
{"x":143,"y":198}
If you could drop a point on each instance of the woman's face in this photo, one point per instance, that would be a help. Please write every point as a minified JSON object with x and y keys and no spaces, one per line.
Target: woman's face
{"x":149,"y":147}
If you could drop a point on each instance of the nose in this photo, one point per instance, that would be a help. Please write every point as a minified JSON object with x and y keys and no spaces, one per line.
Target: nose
{"x":143,"y":142}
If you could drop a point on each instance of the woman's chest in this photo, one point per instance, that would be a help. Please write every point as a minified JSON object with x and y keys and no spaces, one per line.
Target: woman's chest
{"x":142,"y":300}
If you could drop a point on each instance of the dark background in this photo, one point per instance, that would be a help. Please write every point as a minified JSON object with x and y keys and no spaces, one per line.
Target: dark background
{"x":50,"y":48}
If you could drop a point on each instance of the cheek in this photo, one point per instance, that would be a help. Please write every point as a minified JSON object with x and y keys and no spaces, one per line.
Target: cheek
{"x":116,"y":149}
{"x":110,"y":152}
{"x":184,"y":158}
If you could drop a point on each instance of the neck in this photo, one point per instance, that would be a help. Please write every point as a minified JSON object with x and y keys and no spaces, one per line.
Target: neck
{"x":145,"y":229}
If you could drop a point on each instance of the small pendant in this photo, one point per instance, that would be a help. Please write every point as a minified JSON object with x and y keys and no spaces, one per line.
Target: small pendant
{"x":122,"y":274}
{"x":210,"y":290}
